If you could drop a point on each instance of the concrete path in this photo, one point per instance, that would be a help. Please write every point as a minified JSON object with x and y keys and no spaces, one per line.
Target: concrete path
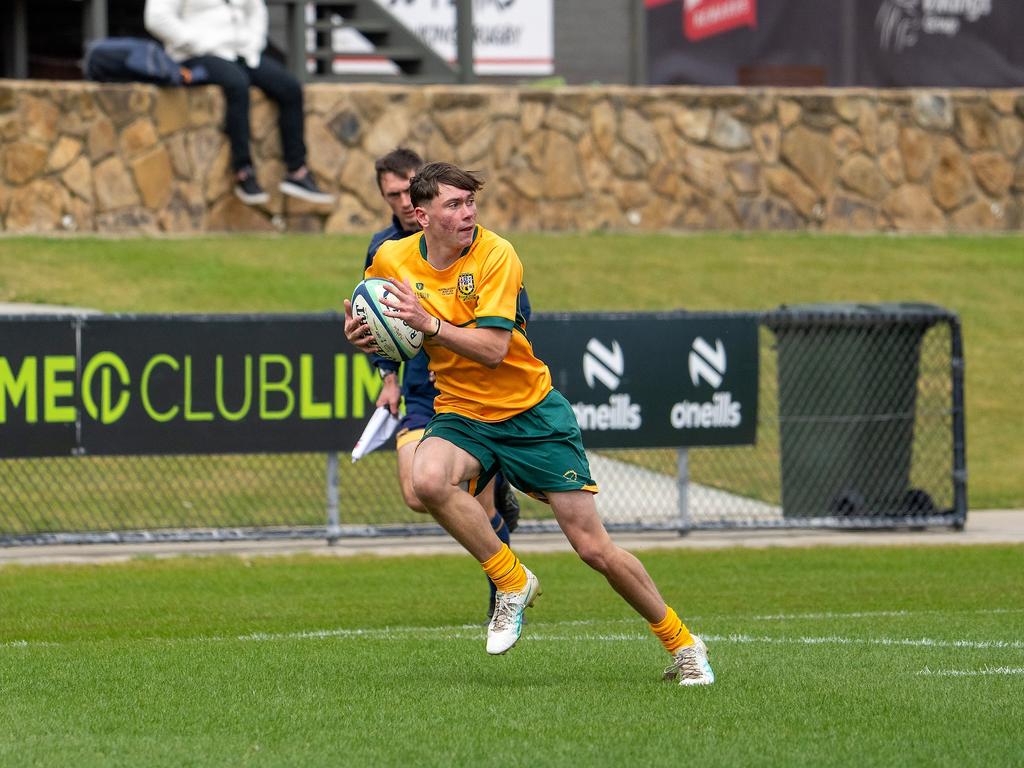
{"x":986,"y":527}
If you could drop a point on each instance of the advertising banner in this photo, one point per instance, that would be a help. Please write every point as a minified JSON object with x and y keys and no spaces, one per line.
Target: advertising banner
{"x":37,"y":387}
{"x":222,"y":385}
{"x":707,"y":18}
{"x":943,"y":43}
{"x":876,"y":43}
{"x":167,"y":384}
{"x":727,"y":42}
{"x":654,"y":380}
{"x":182,"y":384}
{"x":510,"y":37}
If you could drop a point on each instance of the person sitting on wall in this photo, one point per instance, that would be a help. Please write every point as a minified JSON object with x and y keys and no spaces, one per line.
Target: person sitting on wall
{"x":227,"y":38}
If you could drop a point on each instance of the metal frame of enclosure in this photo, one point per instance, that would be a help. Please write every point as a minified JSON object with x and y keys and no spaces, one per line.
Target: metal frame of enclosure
{"x":14,"y":54}
{"x":859,"y":424}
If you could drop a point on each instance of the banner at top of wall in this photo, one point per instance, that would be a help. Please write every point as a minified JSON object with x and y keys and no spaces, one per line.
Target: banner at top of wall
{"x":510,"y":37}
{"x":108,"y":385}
{"x":877,"y":43}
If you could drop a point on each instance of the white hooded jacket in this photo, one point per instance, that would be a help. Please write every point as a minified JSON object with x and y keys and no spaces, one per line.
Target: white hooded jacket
{"x":228,"y":29}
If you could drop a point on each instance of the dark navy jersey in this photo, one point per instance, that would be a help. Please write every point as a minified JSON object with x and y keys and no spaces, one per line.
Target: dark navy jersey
{"x":394,"y":232}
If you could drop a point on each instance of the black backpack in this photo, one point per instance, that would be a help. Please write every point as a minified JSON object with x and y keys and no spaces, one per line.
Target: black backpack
{"x":135,"y":60}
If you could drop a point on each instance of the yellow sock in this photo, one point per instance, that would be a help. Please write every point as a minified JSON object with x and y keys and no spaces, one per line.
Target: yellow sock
{"x":672,"y":632}
{"x":505,"y":570}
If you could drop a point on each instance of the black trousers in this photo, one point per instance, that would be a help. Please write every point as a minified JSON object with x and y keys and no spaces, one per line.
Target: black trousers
{"x":235,"y":77}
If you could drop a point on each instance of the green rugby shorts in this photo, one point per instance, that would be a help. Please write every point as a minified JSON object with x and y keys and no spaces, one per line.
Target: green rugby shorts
{"x":539,"y":450}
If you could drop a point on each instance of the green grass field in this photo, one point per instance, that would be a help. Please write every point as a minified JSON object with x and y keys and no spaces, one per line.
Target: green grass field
{"x":852,"y":656}
{"x":980,"y":278}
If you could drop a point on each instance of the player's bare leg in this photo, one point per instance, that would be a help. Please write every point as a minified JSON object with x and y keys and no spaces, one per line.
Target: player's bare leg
{"x":439,"y":470}
{"x":406,"y":453}
{"x":577,"y":516}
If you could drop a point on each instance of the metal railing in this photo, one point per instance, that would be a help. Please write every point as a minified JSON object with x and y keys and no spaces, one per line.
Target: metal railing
{"x":310,"y":53}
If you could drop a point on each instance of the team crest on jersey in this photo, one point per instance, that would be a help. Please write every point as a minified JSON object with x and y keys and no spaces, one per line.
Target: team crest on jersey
{"x":467,"y":286}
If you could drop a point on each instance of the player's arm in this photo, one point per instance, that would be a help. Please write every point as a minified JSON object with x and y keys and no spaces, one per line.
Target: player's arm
{"x":487,"y":346}
{"x":489,"y":339}
{"x":390,"y":392}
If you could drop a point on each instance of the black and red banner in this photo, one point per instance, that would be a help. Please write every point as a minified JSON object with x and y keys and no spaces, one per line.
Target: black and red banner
{"x":707,"y":18}
{"x":876,"y":43}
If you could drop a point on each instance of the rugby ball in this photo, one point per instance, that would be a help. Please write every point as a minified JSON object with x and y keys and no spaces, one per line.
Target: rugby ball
{"x":396,"y":339}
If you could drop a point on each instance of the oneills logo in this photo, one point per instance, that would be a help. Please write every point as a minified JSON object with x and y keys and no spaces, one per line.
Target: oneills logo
{"x":707,"y":362}
{"x":708,"y":365}
{"x":603,"y":364}
{"x":606,"y":365}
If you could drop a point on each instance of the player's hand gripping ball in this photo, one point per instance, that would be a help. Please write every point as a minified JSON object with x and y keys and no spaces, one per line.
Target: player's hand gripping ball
{"x":396,"y":339}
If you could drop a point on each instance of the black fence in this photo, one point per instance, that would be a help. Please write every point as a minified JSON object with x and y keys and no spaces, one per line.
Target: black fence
{"x":193,"y":428}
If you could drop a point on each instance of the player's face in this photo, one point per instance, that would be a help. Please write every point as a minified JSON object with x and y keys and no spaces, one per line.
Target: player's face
{"x":395,"y":190}
{"x":451,"y":216}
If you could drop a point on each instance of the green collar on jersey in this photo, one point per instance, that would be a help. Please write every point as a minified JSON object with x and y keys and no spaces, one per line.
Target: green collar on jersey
{"x":423,"y":244}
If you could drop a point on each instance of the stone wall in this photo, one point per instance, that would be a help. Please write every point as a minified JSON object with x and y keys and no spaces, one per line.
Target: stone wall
{"x":134,"y":158}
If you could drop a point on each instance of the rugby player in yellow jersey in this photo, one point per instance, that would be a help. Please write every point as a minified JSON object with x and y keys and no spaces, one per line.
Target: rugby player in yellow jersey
{"x":496,"y":409}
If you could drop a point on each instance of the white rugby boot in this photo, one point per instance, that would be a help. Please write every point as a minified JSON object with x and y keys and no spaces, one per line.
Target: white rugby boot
{"x":690,"y":665}
{"x":507,"y":622}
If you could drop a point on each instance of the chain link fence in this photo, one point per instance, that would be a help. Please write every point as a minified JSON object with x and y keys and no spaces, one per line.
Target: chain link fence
{"x":860,"y":425}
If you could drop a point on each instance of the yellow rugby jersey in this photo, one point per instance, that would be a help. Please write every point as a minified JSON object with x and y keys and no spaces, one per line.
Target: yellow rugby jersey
{"x":479,"y":290}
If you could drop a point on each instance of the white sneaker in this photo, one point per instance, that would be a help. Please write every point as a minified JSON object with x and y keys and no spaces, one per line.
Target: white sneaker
{"x":690,"y":665}
{"x":507,"y":623}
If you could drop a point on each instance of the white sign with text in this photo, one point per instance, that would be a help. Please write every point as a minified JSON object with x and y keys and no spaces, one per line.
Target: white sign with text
{"x":511,"y":37}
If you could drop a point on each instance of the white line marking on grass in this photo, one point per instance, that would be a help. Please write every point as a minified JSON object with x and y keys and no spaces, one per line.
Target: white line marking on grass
{"x":541,"y":633}
{"x":872,"y":614}
{"x":971,"y":672}
{"x":604,"y":638}
{"x":385,"y":633}
{"x":474,"y":630}
{"x":555,"y":631}
{"x":925,"y":642}
{"x":922,"y":642}
{"x":828,"y":615}
{"x":28,"y":644}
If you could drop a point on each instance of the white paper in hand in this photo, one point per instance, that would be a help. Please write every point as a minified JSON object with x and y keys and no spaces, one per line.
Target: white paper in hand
{"x":379,"y":428}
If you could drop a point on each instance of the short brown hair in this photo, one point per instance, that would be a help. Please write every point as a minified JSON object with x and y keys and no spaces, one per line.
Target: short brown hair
{"x":400,"y":161}
{"x":425,"y":186}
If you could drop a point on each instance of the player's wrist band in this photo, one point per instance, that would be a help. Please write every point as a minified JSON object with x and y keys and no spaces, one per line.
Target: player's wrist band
{"x":437,"y":331}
